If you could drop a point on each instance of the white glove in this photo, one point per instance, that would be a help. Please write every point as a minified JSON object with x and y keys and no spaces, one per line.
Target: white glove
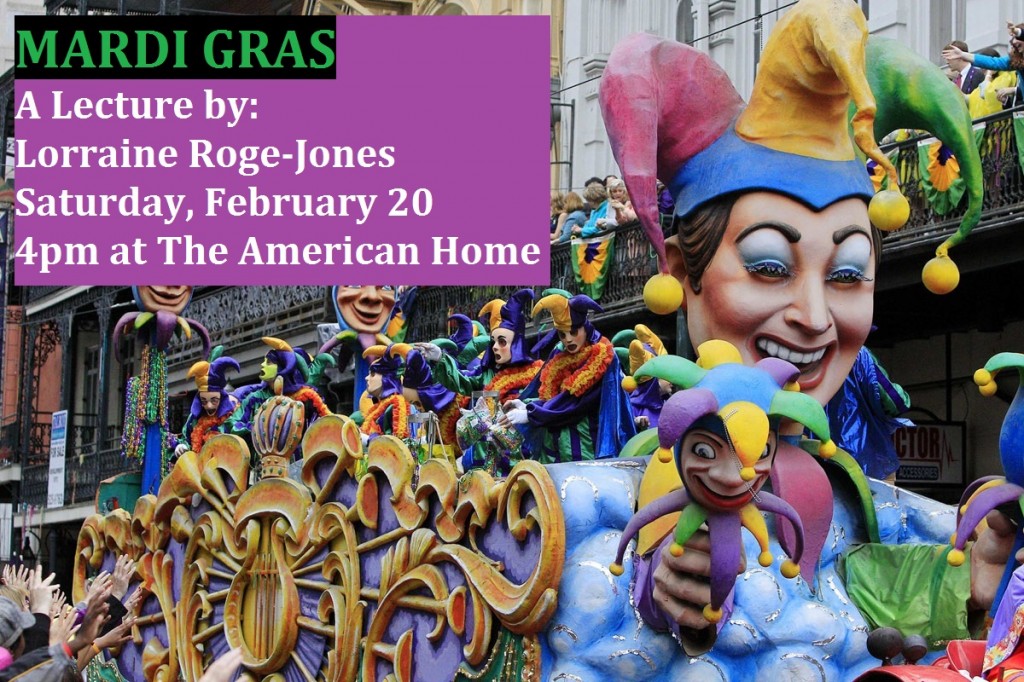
{"x":516,"y":416}
{"x":365,"y":437}
{"x":180,"y":449}
{"x":513,"y":405}
{"x":429,"y":351}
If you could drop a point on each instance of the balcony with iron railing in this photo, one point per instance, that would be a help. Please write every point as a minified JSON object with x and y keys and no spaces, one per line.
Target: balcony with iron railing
{"x":87,"y":462}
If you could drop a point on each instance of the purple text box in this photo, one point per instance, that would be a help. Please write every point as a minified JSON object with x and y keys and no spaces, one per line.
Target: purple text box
{"x":450,"y":114}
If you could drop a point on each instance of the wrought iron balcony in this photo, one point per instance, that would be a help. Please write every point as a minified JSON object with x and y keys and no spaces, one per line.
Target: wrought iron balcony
{"x":10,"y":439}
{"x":83,"y":472}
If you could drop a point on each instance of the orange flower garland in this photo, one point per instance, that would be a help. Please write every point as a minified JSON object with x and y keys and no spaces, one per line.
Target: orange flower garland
{"x":307,"y":394}
{"x":509,"y":381}
{"x":577,"y":373}
{"x":399,"y":417}
{"x":447,"y":420}
{"x":205,"y":428}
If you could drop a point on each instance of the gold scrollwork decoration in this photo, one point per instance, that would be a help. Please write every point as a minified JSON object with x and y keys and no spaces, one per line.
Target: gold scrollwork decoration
{"x":310,"y":577}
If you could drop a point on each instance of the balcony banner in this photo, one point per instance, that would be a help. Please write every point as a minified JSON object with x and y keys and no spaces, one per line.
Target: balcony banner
{"x":940,"y":173}
{"x":591,"y":263}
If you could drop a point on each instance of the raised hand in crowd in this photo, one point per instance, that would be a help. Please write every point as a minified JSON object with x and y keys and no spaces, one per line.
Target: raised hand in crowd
{"x":96,"y":609}
{"x":40,"y":591}
{"x":60,"y":600}
{"x":223,"y":669}
{"x":63,"y":626}
{"x":16,"y":576}
{"x":111,"y":642}
{"x":134,"y":601}
{"x":123,"y":572}
{"x":104,"y":583}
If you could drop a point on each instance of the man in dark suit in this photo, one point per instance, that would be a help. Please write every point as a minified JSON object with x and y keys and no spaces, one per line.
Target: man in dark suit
{"x":964,"y":74}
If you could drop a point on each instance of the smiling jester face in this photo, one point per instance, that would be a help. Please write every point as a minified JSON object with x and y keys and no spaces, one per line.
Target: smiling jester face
{"x":365,"y":309}
{"x":790,"y":283}
{"x":170,"y":298}
{"x":710,"y":468}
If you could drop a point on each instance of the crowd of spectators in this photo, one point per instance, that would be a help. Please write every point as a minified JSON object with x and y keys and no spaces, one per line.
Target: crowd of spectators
{"x":989,"y":81}
{"x":605,"y":205}
{"x":43,"y":638}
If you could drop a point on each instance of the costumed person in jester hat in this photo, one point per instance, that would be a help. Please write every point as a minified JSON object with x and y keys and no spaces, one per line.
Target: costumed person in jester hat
{"x":647,"y":395}
{"x":507,"y":365}
{"x":212,"y":405}
{"x":575,"y":409}
{"x":389,"y":411}
{"x":426,"y":394}
{"x":294,"y":367}
{"x":1004,"y":652}
{"x":146,"y":435}
{"x":776,"y":252}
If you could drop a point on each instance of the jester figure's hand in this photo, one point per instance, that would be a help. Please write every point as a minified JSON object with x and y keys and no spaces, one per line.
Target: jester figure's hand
{"x":513,"y":417}
{"x":681,"y":584}
{"x":430,"y":352}
{"x":988,"y":559}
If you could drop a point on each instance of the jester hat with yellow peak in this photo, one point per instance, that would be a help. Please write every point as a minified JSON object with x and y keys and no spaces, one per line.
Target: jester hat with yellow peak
{"x":211,"y":376}
{"x":388,"y":364}
{"x":512,"y":315}
{"x":672,"y":113}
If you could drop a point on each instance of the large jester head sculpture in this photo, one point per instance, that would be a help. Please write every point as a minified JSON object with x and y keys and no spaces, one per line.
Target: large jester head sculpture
{"x":722,"y":432}
{"x":824,"y":92}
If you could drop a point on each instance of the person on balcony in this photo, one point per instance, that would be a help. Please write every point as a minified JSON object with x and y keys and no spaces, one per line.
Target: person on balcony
{"x":212,"y":405}
{"x":1014,"y":61}
{"x":599,"y":220}
{"x":995,"y":93}
{"x":619,"y":203}
{"x":964,"y":76}
{"x":572,"y":217}
{"x":557,"y":208}
{"x":575,"y":409}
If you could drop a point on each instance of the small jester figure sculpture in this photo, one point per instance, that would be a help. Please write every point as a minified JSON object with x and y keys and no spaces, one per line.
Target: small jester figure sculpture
{"x":722,"y":431}
{"x":159,"y":317}
{"x":990,"y":492}
{"x":212,"y":405}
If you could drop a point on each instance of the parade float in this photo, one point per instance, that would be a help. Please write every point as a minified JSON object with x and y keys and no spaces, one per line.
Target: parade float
{"x":359,"y":561}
